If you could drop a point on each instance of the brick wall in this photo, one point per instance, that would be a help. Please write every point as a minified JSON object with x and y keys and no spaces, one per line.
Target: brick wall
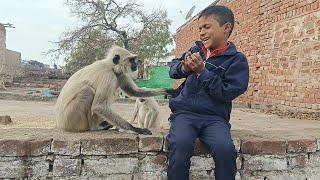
{"x":10,"y":60}
{"x":282,"y":42}
{"x":145,"y":157}
{"x":13,"y":64}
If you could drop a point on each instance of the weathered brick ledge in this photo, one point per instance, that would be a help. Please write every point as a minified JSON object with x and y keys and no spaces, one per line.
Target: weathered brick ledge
{"x":145,"y":157}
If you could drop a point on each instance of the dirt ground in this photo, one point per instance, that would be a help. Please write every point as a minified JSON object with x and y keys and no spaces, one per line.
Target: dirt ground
{"x":32,"y":118}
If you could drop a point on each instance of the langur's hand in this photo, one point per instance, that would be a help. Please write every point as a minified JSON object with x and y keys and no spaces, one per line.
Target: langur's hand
{"x":143,"y":131}
{"x":171,"y":91}
{"x":104,"y":125}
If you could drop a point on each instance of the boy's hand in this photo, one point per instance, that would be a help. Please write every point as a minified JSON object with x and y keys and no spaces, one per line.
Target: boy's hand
{"x":186,"y":63}
{"x":196,"y":63}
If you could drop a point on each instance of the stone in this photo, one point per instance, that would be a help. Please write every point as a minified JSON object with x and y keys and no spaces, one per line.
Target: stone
{"x":239,"y":162}
{"x":29,"y":147}
{"x":110,"y":177}
{"x":65,"y":147}
{"x":157,"y":175}
{"x":109,"y":146}
{"x":203,"y":175}
{"x":263,"y":147}
{"x":313,"y":173}
{"x":264,"y":163}
{"x":302,"y":145}
{"x":299,"y":160}
{"x":280,"y":175}
{"x":65,"y":167}
{"x":237,"y":144}
{"x":150,"y":143}
{"x":60,"y":178}
{"x":314,"y":159}
{"x":106,"y":166}
{"x":199,"y":163}
{"x":153,"y":163}
{"x":247,"y":175}
{"x":238,"y":176}
{"x":37,"y":167}
{"x":11,"y":167}
{"x":4,"y":120}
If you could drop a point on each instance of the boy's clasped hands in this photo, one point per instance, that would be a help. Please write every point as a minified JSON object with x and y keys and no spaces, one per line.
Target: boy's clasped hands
{"x":193,"y":62}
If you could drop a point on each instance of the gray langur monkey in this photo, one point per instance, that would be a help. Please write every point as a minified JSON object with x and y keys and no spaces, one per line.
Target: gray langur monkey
{"x":85,"y":100}
{"x":146,"y":111}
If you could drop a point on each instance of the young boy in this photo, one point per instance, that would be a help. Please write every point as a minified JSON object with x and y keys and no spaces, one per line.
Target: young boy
{"x":215,"y":75}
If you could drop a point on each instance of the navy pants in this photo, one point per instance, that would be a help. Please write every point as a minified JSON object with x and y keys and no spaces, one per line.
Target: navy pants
{"x":215,"y":133}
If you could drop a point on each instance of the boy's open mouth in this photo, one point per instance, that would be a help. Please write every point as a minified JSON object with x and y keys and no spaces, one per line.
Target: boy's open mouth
{"x":205,"y":39}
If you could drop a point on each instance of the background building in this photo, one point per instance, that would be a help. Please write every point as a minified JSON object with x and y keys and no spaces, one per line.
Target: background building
{"x":10,"y":61}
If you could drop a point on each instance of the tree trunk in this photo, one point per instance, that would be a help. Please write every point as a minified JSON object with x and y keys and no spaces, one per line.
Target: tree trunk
{"x":141,"y":71}
{"x":125,"y":40}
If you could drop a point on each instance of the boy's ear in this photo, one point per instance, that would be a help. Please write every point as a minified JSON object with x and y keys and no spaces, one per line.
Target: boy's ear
{"x":227,"y":27}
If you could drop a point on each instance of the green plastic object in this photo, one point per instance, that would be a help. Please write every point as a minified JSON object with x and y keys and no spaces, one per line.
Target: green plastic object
{"x":159,"y":78}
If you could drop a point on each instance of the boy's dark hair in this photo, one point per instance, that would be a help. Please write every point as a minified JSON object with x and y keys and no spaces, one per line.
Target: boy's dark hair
{"x":222,"y":13}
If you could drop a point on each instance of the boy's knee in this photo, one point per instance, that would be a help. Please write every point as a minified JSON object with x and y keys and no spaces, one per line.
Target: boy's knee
{"x":181,"y":145}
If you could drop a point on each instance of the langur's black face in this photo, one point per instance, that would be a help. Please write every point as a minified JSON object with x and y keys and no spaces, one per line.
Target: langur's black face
{"x":134,"y":63}
{"x":128,"y":64}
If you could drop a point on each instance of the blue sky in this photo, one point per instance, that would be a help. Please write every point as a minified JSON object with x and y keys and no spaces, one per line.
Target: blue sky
{"x":38,"y":22}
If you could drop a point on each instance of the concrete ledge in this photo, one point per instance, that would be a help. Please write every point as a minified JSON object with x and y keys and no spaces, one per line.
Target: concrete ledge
{"x":126,"y":156}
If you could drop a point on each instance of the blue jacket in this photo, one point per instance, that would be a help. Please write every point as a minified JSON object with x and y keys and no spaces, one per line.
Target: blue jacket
{"x":224,"y":78}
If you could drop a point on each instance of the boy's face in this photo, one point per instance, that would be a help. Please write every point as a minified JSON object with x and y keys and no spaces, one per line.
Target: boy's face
{"x":212,"y":34}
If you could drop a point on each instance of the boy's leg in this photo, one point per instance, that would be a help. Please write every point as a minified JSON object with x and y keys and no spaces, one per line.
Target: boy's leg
{"x":216,"y":135}
{"x":181,"y":139}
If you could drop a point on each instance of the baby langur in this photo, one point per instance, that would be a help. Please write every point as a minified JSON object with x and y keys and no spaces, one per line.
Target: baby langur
{"x":85,"y":100}
{"x":146,"y":111}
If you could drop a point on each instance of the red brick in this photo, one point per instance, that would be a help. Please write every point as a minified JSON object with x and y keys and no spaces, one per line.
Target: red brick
{"x":317,"y":47}
{"x":109,"y":146}
{"x":29,"y":147}
{"x":200,"y":148}
{"x":315,"y":5}
{"x":316,"y":71}
{"x":150,"y":143}
{"x":263,"y":147}
{"x":310,"y":31}
{"x":303,"y":145}
{"x":63,"y":147}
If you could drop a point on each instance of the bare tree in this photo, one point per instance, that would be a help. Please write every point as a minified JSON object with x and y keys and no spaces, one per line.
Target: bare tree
{"x":107,"y":22}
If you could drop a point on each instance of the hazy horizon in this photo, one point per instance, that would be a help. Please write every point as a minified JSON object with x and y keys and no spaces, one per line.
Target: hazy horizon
{"x":37,"y":22}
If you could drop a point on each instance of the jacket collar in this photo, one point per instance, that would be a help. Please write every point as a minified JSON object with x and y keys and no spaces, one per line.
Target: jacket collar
{"x":232,"y":50}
